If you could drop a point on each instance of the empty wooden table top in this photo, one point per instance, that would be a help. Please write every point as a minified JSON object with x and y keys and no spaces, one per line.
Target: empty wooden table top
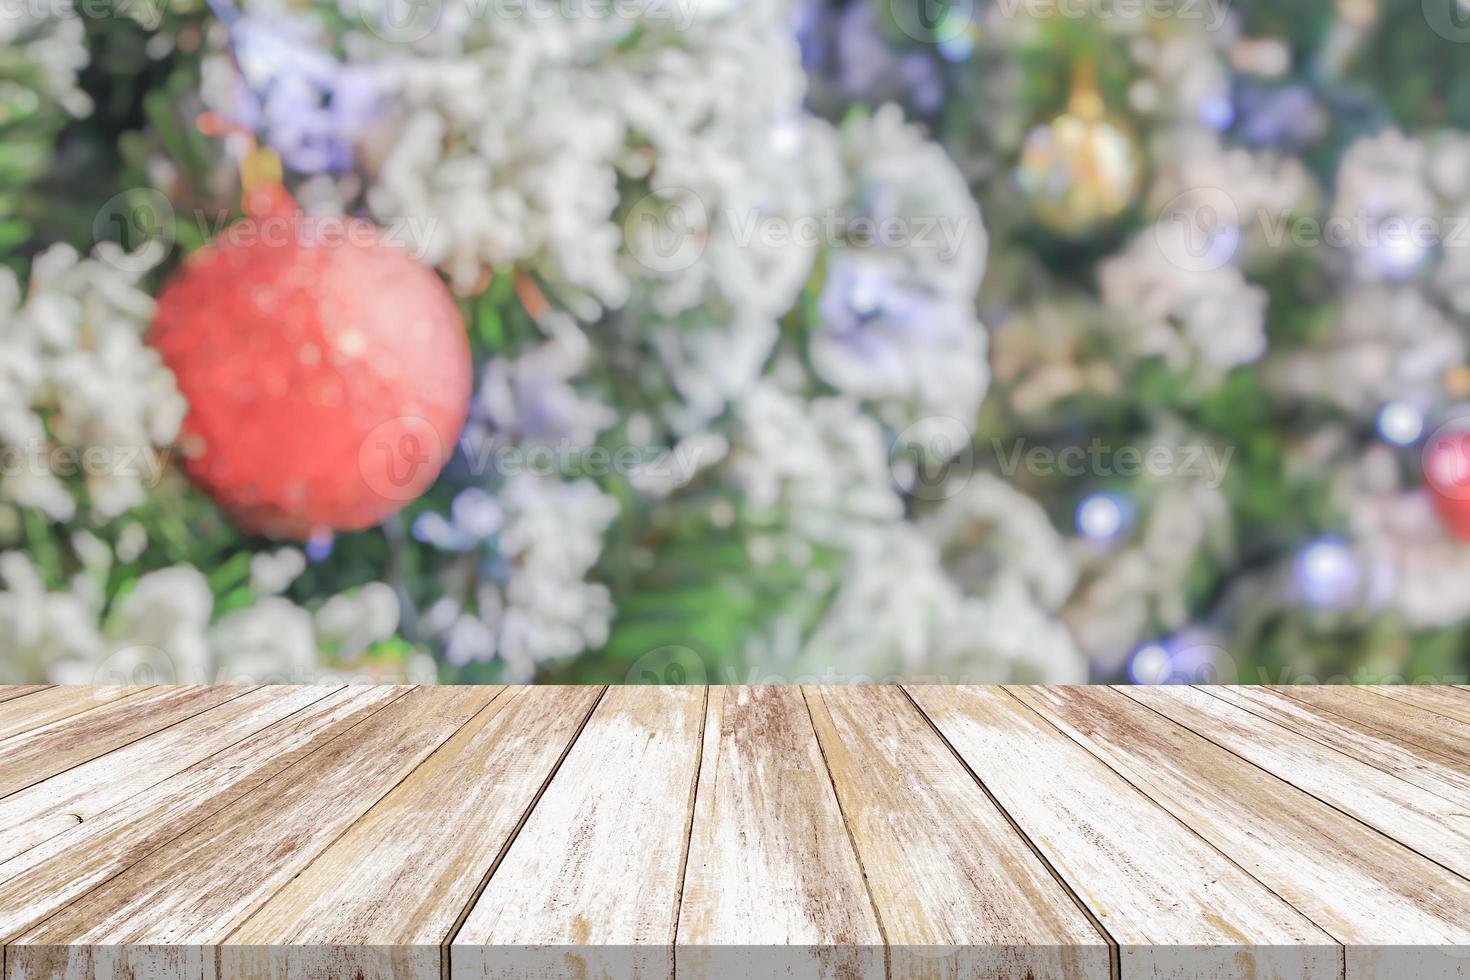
{"x":477,"y":832}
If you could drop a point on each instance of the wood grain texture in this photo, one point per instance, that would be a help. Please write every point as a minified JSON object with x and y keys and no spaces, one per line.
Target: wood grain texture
{"x":45,"y":879}
{"x":421,"y":833}
{"x":1442,"y":699}
{"x":113,"y":963}
{"x":1402,"y":721}
{"x":1417,"y":818}
{"x":958,"y":892}
{"x":590,"y":886}
{"x":32,"y":756}
{"x":770,"y":862}
{"x":262,"y":840}
{"x":1364,"y":735}
{"x":331,"y":961}
{"x":56,"y":804}
{"x":1147,"y":890}
{"x":55,"y":703}
{"x":1403,"y":717}
{"x":382,"y":899}
{"x":1392,"y":908}
{"x":10,"y":692}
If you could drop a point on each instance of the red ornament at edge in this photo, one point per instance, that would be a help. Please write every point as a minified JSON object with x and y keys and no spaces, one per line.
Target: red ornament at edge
{"x":327,"y":373}
{"x":1447,"y":475}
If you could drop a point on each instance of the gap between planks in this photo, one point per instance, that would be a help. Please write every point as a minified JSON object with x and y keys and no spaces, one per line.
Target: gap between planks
{"x":1143,"y":792}
{"x":705,"y":735}
{"x":1236,"y":751}
{"x":20,"y":691}
{"x":851,"y":841}
{"x":696,"y":782}
{"x":1366,"y":886}
{"x":494,"y":705}
{"x":445,"y":962}
{"x":1166,"y":814}
{"x":45,"y":706}
{"x":204,"y":814}
{"x":1259,"y":929}
{"x":689,"y":832}
{"x":1449,"y":700}
{"x":139,"y":735}
{"x":1374,"y":738}
{"x":1115,"y":967}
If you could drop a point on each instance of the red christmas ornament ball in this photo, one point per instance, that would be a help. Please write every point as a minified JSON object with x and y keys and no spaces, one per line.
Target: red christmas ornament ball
{"x":1447,"y":474}
{"x":327,"y":374}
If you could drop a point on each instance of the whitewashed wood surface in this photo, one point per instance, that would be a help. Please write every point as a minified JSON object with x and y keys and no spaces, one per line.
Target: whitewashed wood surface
{"x":286,"y":833}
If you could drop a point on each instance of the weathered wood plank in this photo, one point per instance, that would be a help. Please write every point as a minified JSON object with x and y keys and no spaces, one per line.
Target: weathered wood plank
{"x":1424,"y":768}
{"x":347,"y":962}
{"x":119,"y":963}
{"x":40,"y":753}
{"x":590,"y":886}
{"x":62,"y":801}
{"x":1144,"y":875}
{"x":1442,"y":699}
{"x":381,"y":900}
{"x":262,"y":840}
{"x":1423,"y":821}
{"x":769,"y":831}
{"x":1394,"y":909}
{"x":55,"y":703}
{"x":51,"y":875}
{"x":957,"y":890}
{"x":770,"y":862}
{"x":10,"y":692}
{"x":1400,"y":721}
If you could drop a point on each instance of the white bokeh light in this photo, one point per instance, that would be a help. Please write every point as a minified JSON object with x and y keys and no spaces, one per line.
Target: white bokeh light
{"x":1400,"y":423}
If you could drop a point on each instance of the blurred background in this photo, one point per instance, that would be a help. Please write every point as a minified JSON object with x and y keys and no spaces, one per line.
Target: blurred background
{"x":737,"y":341}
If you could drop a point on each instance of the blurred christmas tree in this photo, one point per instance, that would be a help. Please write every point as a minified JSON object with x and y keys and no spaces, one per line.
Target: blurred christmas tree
{"x":757,"y":394}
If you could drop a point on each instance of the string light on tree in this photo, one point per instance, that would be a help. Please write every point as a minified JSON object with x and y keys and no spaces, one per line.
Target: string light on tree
{"x":1103,"y":516}
{"x":1400,"y":423}
{"x":319,"y":545}
{"x":1217,"y":113}
{"x":1394,"y":251}
{"x":1191,"y":656}
{"x":1326,"y":573}
{"x":1149,"y":664}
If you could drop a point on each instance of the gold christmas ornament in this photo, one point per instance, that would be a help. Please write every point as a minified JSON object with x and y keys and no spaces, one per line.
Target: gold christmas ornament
{"x":1457,"y":381}
{"x":1082,"y":168}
